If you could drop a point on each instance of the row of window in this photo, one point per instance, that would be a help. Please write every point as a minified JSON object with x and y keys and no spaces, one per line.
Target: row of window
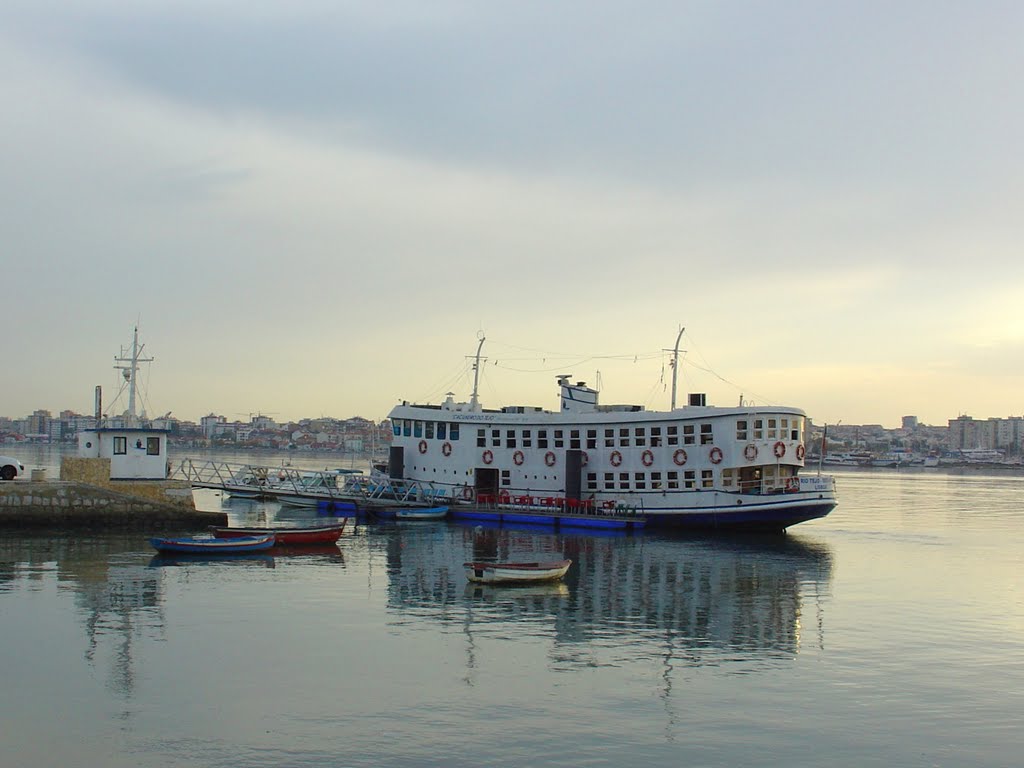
{"x":769,"y":429}
{"x":152,"y":446}
{"x":773,"y":428}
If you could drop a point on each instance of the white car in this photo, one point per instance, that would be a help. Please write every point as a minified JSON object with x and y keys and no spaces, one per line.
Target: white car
{"x":10,"y":468}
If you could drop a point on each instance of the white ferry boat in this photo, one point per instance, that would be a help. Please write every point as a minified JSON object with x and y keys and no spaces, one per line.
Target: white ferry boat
{"x":696,"y":466}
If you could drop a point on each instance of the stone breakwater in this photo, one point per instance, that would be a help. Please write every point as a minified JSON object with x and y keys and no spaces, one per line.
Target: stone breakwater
{"x":71,"y":504}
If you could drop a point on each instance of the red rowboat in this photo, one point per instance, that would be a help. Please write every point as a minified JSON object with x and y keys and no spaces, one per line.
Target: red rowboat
{"x":320,"y":534}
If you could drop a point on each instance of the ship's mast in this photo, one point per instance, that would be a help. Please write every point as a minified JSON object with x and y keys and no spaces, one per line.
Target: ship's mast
{"x":474,"y":401}
{"x":130,"y":370}
{"x":675,"y":366}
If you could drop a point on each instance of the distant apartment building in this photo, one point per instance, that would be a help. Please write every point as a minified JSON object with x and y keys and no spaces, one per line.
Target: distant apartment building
{"x":909,"y":423}
{"x":213,"y":425}
{"x":966,"y":433}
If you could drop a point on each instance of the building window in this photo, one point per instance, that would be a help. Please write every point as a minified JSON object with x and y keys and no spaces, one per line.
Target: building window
{"x":655,"y":437}
{"x":758,"y":429}
{"x":656,"y":481}
{"x":481,"y":438}
{"x":624,"y":437}
{"x":495,"y":438}
{"x":741,"y":430}
{"x":574,"y":440}
{"x":152,"y":446}
{"x":707,"y":478}
{"x":672,"y":479}
{"x":623,"y":481}
{"x":417,"y":429}
{"x":591,"y":439}
{"x":442,"y":430}
{"x":609,"y":481}
{"x":706,"y":435}
{"x":120,"y":446}
{"x":689,"y":479}
{"x":640,"y":481}
{"x":396,"y":427}
{"x":453,"y":433}
{"x":688,"y":435}
{"x":527,"y":439}
{"x":641,"y":436}
{"x":406,"y":427}
{"x":609,"y":438}
{"x":592,"y":481}
{"x":771,"y":429}
{"x":542,"y":438}
{"x":506,"y":477}
{"x":728,"y":478}
{"x":672,"y":437}
{"x":430,"y":430}
{"x":510,"y":438}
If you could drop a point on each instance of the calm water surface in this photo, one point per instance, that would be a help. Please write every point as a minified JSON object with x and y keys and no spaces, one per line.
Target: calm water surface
{"x":889,"y":633}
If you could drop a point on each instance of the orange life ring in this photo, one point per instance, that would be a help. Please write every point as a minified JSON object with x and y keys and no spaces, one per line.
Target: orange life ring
{"x":423,"y":446}
{"x":715,"y":455}
{"x":467,"y":493}
{"x":549,"y":459}
{"x":679,"y":457}
{"x":518,"y":458}
{"x":750,"y":452}
{"x":792,"y":484}
{"x":584,"y":459}
{"x":446,"y":449}
{"x":488,"y":456}
{"x":800,"y":452}
{"x":615,"y":458}
{"x":779,"y":449}
{"x":647,"y":458}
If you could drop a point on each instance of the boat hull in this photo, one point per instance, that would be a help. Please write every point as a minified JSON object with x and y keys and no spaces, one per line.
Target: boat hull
{"x":415,"y":513}
{"x":324,"y":534}
{"x":516,"y":573}
{"x":190,"y":545}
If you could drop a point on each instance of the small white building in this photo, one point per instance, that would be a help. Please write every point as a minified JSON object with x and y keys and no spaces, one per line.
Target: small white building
{"x":135,"y":453}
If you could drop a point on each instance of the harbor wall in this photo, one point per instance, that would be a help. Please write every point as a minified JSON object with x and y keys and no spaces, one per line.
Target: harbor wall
{"x":86,"y":497}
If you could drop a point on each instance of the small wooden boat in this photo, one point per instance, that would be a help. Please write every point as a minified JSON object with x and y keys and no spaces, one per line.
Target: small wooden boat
{"x":318,"y":534}
{"x":516,"y":573}
{"x":421,"y":513}
{"x":199,"y":545}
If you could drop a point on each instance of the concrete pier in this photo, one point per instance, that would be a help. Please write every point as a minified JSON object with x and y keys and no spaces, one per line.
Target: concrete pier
{"x":60,"y":504}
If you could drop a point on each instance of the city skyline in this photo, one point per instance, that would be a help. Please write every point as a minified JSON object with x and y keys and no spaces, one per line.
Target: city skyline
{"x":315,"y":209}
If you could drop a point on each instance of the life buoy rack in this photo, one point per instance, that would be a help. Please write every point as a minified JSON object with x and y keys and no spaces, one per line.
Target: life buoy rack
{"x":549,"y":458}
{"x":679,"y":457}
{"x":467,"y":493}
{"x":518,"y":458}
{"x":615,"y":458}
{"x":647,"y":458}
{"x":715,"y":455}
{"x":488,"y":456}
{"x":446,"y":449}
{"x":800,"y":452}
{"x":750,"y":452}
{"x":779,"y":449}
{"x":423,"y":446}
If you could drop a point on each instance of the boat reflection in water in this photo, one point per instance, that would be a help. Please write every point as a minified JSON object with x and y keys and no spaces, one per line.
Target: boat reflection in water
{"x":712,"y":599}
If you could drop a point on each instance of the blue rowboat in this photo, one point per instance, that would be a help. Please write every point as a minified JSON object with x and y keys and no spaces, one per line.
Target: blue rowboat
{"x":421,"y":513}
{"x":205,"y":545}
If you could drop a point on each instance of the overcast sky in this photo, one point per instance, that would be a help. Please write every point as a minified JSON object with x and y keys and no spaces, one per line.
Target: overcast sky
{"x":313,"y":208}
